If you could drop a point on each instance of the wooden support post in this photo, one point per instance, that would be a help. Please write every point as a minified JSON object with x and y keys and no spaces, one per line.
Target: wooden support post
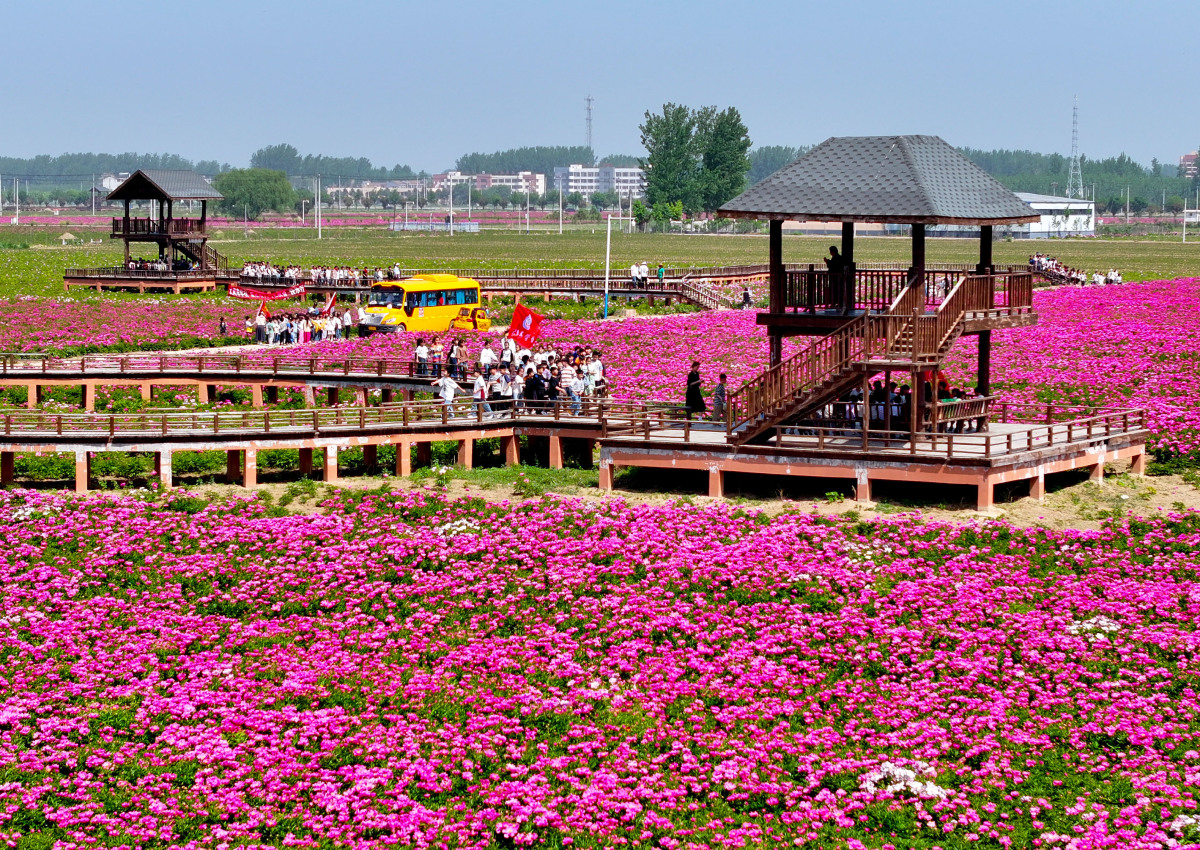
{"x":1037,"y":487}
{"x":556,"y":452}
{"x":850,"y":297}
{"x":250,"y":469}
{"x":1137,"y":463}
{"x":147,"y":391}
{"x":256,"y":395}
{"x":918,"y":254}
{"x":716,"y":483}
{"x":371,"y":458}
{"x":466,"y":453}
{"x":424,"y":453}
{"x":866,"y":410}
{"x":88,"y":397}
{"x":512,"y":450}
{"x":983,"y":501}
{"x":862,"y":487}
{"x":306,"y":457}
{"x":606,"y":476}
{"x":1097,"y":472}
{"x":272,"y":394}
{"x":333,"y":394}
{"x":7,"y":467}
{"x":386,"y":395}
{"x":233,"y":466}
{"x":360,"y":396}
{"x":403,"y":459}
{"x":32,"y":396}
{"x":331,"y":464}
{"x":406,"y":395}
{"x":202,"y":393}
{"x":83,"y":464}
{"x":985,"y":250}
{"x":983,"y":386}
{"x":310,"y":397}
{"x":163,"y":469}
{"x":777,"y":285}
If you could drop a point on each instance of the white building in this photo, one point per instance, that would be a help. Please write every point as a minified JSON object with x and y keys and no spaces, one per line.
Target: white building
{"x":1059,"y":217}
{"x":524,"y":181}
{"x":589,"y":179}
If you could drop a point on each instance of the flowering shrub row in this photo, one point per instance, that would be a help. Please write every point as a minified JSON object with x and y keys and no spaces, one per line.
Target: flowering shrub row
{"x":402,"y":671}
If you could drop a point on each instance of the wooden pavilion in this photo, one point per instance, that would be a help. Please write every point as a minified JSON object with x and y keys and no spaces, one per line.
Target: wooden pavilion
{"x":183,"y":259}
{"x":824,"y":412}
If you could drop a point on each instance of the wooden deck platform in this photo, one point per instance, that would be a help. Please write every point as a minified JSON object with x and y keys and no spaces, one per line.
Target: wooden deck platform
{"x":140,"y":281}
{"x":1007,"y":452}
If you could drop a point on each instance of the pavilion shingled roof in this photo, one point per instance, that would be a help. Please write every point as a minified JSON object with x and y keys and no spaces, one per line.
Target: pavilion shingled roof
{"x":154,"y":184}
{"x":900,"y":179}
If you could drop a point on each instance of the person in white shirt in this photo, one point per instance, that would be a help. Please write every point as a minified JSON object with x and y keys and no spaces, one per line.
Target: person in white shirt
{"x":575,"y":390}
{"x":421,"y":353}
{"x":447,"y":387}
{"x":487,"y":357}
{"x":634,"y":271}
{"x":644,"y":274}
{"x":479,"y":393}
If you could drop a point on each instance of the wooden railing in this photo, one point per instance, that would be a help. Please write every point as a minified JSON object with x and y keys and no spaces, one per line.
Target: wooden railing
{"x":156,"y":226}
{"x":600,"y":414}
{"x":137,"y":274}
{"x":31,"y":366}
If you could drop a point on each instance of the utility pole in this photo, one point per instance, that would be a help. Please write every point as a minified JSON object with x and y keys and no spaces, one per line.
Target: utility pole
{"x":560,"y":206}
{"x":451,"y":180}
{"x":93,"y":196}
{"x":317,"y":208}
{"x":589,"y":100}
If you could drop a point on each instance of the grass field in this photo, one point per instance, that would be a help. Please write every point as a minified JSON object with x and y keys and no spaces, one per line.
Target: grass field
{"x":37,"y":270}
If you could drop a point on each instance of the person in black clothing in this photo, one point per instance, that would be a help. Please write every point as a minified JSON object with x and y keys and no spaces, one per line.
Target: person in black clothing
{"x":535,"y":388}
{"x":223,"y":329}
{"x":746,"y":298}
{"x":693,"y":399}
{"x":837,"y":283}
{"x":552,"y":387}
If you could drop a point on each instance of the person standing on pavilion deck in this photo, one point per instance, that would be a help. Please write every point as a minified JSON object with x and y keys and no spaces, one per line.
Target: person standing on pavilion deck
{"x":693,"y":399}
{"x":837,"y":273}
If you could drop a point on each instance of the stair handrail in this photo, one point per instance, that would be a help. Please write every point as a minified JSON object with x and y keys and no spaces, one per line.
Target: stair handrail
{"x":764,"y":394}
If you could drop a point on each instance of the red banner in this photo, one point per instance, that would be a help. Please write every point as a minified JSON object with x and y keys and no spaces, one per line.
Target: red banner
{"x":296,"y":291}
{"x":526,"y":326}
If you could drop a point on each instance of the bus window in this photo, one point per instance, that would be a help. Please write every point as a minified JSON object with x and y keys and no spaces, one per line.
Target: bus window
{"x":413,"y":300}
{"x":472,"y":296}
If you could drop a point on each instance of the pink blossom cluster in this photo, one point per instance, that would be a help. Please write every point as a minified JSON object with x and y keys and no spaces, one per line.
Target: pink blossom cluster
{"x":402,"y":671}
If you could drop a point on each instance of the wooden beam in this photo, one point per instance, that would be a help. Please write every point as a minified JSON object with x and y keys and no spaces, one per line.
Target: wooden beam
{"x":985,"y":250}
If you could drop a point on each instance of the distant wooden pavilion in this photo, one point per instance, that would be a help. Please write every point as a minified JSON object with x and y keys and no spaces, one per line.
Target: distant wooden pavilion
{"x":183,"y":259}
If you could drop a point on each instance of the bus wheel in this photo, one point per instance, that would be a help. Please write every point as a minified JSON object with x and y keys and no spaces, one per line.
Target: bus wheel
{"x":401,"y":329}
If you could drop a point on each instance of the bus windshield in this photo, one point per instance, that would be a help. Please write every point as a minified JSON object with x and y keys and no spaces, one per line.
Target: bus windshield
{"x":387,"y":297}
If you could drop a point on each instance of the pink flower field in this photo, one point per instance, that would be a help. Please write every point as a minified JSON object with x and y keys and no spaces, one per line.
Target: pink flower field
{"x":402,"y":671}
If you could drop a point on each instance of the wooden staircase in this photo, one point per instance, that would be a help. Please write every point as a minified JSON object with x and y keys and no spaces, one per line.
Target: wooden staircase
{"x":905,"y":338}
{"x":201,"y":252}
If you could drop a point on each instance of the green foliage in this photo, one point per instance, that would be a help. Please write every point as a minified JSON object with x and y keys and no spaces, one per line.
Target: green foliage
{"x":87,"y":164}
{"x":252,"y":191}
{"x":696,"y":157}
{"x":766,"y":160}
{"x":540,"y":159}
{"x":287,"y":159}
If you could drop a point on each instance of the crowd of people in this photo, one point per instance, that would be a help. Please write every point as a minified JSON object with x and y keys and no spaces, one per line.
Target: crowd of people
{"x":159,"y":265}
{"x":348,"y":276}
{"x":1060,"y":273}
{"x":514,"y":376}
{"x":260,"y":271}
{"x":295,"y":328}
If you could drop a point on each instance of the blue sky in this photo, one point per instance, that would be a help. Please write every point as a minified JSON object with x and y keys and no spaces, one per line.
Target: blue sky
{"x":422,"y":83}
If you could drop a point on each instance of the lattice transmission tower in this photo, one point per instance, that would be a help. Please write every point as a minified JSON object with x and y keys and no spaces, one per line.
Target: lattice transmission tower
{"x":588,"y":100}
{"x":1075,"y":178}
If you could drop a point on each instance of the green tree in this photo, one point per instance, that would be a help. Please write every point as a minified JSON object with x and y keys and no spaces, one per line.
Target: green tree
{"x":1174,"y":204}
{"x":283,"y":158}
{"x":766,"y":160}
{"x":641,"y":213}
{"x":723,"y":142}
{"x":672,"y":163}
{"x":251,"y":191}
{"x":574,"y":200}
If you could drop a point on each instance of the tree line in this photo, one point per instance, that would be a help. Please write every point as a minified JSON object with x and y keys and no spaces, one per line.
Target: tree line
{"x":88,"y":164}
{"x":286,"y":158}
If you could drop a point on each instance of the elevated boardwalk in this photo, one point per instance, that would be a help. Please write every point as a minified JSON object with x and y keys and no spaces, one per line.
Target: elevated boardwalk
{"x":1026,"y":444}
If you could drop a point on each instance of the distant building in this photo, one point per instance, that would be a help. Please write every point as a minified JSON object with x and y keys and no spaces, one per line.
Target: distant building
{"x":524,"y":181}
{"x":1059,"y":217}
{"x":109,"y":182}
{"x":589,"y":179}
{"x":1188,"y":165}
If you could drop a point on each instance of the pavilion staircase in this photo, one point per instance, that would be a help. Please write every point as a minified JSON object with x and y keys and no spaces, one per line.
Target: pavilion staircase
{"x":201,"y":252}
{"x":702,"y":295}
{"x":905,"y":338}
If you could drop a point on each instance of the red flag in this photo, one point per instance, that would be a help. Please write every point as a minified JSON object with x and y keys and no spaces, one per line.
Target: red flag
{"x":262,"y":310}
{"x":526,"y":326}
{"x":328,"y":308}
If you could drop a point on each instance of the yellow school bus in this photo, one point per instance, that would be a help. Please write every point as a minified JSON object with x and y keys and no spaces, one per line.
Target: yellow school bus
{"x":427,"y":303}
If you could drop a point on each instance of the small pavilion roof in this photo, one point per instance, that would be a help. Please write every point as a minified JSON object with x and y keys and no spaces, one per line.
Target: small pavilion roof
{"x":899,"y":179}
{"x":153,"y":184}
